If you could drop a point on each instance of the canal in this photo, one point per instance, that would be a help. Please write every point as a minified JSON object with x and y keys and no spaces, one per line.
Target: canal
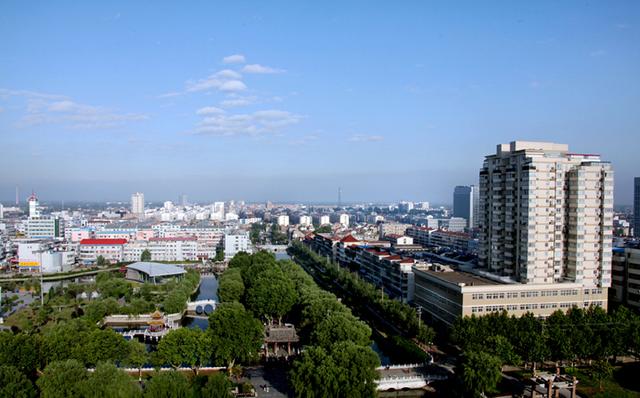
{"x":208,"y":291}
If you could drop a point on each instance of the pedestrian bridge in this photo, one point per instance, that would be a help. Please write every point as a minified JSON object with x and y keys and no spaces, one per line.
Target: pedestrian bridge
{"x":405,"y":377}
{"x":200,"y":308}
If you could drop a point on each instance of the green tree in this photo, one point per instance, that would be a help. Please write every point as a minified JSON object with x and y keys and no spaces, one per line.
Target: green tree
{"x":137,"y":356}
{"x":601,"y":370}
{"x":500,"y":347}
{"x":230,"y":285}
{"x":167,"y":385}
{"x":15,"y":384}
{"x":338,"y":327}
{"x":62,"y":379}
{"x":146,"y":255}
{"x":272,"y":294}
{"x":314,"y":374}
{"x":235,"y":334}
{"x":219,"y":254}
{"x":101,"y":261}
{"x":67,"y":340}
{"x":185,"y":346}
{"x":356,"y":367}
{"x":218,"y":386}
{"x":107,"y":381}
{"x":176,"y":301}
{"x":20,"y":350}
{"x":480,"y":373}
{"x":105,"y":346}
{"x":323,"y":229}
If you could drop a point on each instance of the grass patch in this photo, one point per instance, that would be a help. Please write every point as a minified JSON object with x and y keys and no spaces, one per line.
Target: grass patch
{"x":623,"y":384}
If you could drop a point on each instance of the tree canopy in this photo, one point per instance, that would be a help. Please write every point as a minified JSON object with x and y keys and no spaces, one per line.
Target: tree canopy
{"x":235,"y":334}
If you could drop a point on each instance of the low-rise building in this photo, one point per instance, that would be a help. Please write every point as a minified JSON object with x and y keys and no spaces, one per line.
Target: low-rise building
{"x":392,"y":228}
{"x":111,"y":250}
{"x":448,"y":294}
{"x":153,"y":272}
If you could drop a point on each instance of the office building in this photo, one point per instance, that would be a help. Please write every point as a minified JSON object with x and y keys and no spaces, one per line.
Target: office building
{"x":636,"y":207}
{"x":625,"y":284}
{"x":546,"y":214}
{"x":446,"y":295}
{"x":137,"y":204}
{"x":44,"y":227}
{"x":463,"y":203}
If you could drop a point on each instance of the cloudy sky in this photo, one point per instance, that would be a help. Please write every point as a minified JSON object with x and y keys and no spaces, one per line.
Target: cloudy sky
{"x":289,"y":100}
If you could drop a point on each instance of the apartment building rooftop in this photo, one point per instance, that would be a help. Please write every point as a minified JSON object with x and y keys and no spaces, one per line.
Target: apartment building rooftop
{"x":461,"y":278}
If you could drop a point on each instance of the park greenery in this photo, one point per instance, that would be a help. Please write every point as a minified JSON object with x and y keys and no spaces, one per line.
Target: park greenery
{"x":337,"y":359}
{"x":393,"y":315}
{"x":590,"y":338}
{"x":110,"y":294}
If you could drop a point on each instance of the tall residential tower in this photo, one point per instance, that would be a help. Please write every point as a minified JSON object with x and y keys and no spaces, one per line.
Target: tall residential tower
{"x":464,"y":203}
{"x":546,"y":214}
{"x":137,"y":203}
{"x":636,"y":207}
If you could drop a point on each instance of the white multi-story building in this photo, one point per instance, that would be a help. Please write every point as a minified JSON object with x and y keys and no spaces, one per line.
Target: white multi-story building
{"x":546,"y":214}
{"x":137,"y":203}
{"x":217,"y":211}
{"x":235,"y":242}
{"x":283,"y":220}
{"x":111,"y":250}
{"x":324,"y":220}
{"x":344,"y":220}
{"x":1,"y":211}
{"x":305,"y":221}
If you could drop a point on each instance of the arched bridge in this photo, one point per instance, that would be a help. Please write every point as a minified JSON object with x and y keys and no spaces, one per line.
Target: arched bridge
{"x":201,"y":308}
{"x":409,"y":377}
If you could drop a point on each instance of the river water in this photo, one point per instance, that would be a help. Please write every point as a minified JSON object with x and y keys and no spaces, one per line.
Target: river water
{"x":208,"y":290}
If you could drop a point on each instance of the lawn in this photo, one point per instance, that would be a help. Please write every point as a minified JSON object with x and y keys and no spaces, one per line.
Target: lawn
{"x":624,"y":383}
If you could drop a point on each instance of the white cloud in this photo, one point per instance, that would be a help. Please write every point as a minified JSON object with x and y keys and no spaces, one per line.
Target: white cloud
{"x":209,"y":110}
{"x":251,"y":124}
{"x":235,"y":102}
{"x":261,"y":69}
{"x":57,"y":109}
{"x":597,"y":53}
{"x":233,"y":85}
{"x":228,"y":74}
{"x":224,"y":80}
{"x":234,"y":59}
{"x":365,"y":138}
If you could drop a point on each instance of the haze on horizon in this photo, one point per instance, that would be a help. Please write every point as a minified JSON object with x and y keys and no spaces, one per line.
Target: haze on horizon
{"x":286,"y":101}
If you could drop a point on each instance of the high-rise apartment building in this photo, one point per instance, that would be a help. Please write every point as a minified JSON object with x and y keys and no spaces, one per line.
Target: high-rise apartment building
{"x":546,"y":215}
{"x":636,"y":207}
{"x":463,"y":203}
{"x":137,"y":203}
{"x":34,"y":210}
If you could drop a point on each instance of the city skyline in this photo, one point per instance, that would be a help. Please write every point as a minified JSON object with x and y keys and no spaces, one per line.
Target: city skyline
{"x":98,"y":101}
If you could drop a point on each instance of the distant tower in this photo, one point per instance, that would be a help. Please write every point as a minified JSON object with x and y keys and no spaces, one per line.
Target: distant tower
{"x":183,"y":200}
{"x":137,"y":203}
{"x":17,"y":196}
{"x":33,"y":206}
{"x":339,"y":196}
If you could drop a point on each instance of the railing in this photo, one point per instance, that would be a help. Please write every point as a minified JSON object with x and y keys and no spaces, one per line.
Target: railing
{"x":403,"y":366}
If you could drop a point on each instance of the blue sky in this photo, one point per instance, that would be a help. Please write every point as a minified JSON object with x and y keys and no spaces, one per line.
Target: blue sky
{"x":289,"y":100}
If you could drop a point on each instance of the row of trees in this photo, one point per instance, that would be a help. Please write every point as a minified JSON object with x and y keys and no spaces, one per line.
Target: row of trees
{"x":363,"y":295}
{"x":581,"y":336}
{"x":337,"y":359}
{"x":70,"y":379}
